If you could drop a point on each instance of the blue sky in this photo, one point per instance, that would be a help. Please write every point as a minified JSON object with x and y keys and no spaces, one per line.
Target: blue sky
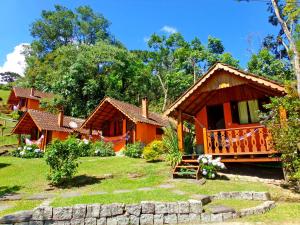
{"x":135,"y":20}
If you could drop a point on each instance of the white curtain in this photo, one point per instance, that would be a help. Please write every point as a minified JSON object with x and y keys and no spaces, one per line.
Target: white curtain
{"x":243,"y":112}
{"x":253,"y":108}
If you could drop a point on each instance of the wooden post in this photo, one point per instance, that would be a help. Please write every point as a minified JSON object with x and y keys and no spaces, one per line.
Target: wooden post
{"x":205,"y":140}
{"x":180,"y":130}
{"x":19,"y":139}
{"x":124,"y":126}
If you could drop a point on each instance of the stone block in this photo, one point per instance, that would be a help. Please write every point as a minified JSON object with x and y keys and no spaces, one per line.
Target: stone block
{"x":146,"y":219}
{"x":101,"y":221}
{"x":221,"y":209}
{"x":158,"y":219}
{"x":112,"y":221}
{"x":134,"y":209}
{"x":183,"y":207}
{"x":61,"y":223}
{"x":259,"y":209}
{"x":77,"y":221}
{"x":62,"y":213}
{"x":183,"y":218}
{"x":90,"y":221}
{"x":172,"y":207}
{"x":161,"y":208}
{"x":206,"y":217}
{"x":195,"y":206}
{"x":48,"y":222}
{"x":42,"y":213}
{"x":224,"y":195}
{"x":22,"y":223}
{"x":262,"y":196}
{"x":148,"y":207}
{"x":93,"y":211}
{"x":122,"y":220}
{"x":105,"y":211}
{"x":79,"y":211}
{"x":216,"y":217}
{"x":22,"y":216}
{"x":236,"y":195}
{"x":227,"y":216}
{"x":246,"y":195}
{"x":134,"y":220}
{"x":170,"y":219}
{"x":117,"y":209}
{"x":194,"y":218}
{"x":36,"y":222}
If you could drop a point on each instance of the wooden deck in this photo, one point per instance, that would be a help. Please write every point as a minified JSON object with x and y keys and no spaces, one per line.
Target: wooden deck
{"x":247,"y":144}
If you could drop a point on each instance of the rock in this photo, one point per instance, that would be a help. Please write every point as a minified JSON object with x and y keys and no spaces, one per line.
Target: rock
{"x":269,"y":204}
{"x":158,"y":219}
{"x":227,"y":216}
{"x":77,"y":221}
{"x":183,"y":218}
{"x":183,"y":207}
{"x":195,"y":206}
{"x":36,"y":222}
{"x":101,"y":221}
{"x":216,"y":217}
{"x":62,"y":213}
{"x":221,"y":209}
{"x":205,"y":199}
{"x":133,"y":209}
{"x":22,"y":216}
{"x":161,"y":208}
{"x":194,"y":218}
{"x":112,"y":221}
{"x":246,"y":212}
{"x":172,"y":207}
{"x":105,"y":211}
{"x":166,"y":186}
{"x":108,"y":176}
{"x":262,"y":196}
{"x":121,"y":191}
{"x":146,"y":219}
{"x":236,"y":195}
{"x":11,"y":197}
{"x":117,"y":209}
{"x":246,"y":195}
{"x":79,"y":211}
{"x":224,"y":195}
{"x":170,"y":219}
{"x":122,"y":220}
{"x":90,"y":221}
{"x":134,"y":220}
{"x":148,"y":207}
{"x":42,"y":213}
{"x":206,"y":217}
{"x":22,"y":223}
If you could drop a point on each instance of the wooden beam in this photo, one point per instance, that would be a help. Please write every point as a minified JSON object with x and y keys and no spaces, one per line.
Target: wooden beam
{"x":180,"y":130}
{"x":205,"y":141}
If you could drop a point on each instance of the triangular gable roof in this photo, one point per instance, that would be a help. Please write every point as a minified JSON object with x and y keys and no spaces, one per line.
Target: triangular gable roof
{"x":132,"y":112}
{"x":269,"y":84}
{"x":45,"y":121}
{"x":19,"y":92}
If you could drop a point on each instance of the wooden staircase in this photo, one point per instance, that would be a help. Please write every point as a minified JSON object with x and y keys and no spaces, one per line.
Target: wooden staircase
{"x":188,"y":167}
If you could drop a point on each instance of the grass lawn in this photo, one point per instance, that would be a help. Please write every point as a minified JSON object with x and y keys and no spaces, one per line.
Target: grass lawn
{"x":92,"y":184}
{"x":4,"y":95}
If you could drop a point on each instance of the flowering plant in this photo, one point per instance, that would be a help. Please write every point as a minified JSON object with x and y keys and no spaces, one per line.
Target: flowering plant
{"x":28,"y":151}
{"x":210,"y":166}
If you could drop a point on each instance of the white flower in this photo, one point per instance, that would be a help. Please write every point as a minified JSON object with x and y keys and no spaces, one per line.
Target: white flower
{"x":20,"y":148}
{"x":85,"y":141}
{"x":218,"y":159}
{"x":22,"y":153}
{"x":215,"y":163}
{"x":37,"y":150}
{"x":204,"y":160}
{"x":204,"y":172}
{"x":213,"y":175}
{"x":29,"y":148}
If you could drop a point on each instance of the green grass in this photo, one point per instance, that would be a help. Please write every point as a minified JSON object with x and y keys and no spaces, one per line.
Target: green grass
{"x":4,"y":95}
{"x":19,"y":206}
{"x":28,"y":176}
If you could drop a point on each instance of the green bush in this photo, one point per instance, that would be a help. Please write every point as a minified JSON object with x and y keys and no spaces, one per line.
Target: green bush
{"x":103,"y":149}
{"x":134,"y":150}
{"x":28,"y":151}
{"x":85,"y":148}
{"x":170,"y":142}
{"x":62,"y":157}
{"x":153,"y":151}
{"x":16,"y":114}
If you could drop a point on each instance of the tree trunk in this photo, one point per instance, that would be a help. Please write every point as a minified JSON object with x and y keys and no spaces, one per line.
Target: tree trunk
{"x":296,"y":64}
{"x":195,"y":74}
{"x":165,"y":90}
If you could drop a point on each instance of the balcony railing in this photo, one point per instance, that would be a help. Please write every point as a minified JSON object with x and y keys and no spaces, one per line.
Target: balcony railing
{"x":238,"y":141}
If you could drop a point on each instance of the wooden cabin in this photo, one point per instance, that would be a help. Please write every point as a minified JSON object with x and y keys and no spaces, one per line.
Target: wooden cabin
{"x":121,"y":123}
{"x":223,"y":105}
{"x":43,"y":127}
{"x":26,"y":98}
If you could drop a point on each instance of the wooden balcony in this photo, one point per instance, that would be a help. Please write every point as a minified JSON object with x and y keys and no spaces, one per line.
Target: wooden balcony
{"x":247,"y":144}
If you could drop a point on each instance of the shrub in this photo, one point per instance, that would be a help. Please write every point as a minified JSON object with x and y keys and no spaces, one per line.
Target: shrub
{"x":170,"y":143}
{"x":16,"y":114}
{"x":153,"y":151}
{"x":85,"y":148}
{"x":28,"y":151}
{"x":209,"y":166}
{"x":62,"y":157}
{"x":134,"y":150}
{"x":103,"y":149}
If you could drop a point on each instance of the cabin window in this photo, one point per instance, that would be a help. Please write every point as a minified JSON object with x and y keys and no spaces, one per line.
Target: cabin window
{"x":245,"y":112}
{"x":159,"y":131}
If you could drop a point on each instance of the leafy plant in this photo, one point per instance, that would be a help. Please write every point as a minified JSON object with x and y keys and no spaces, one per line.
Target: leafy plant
{"x":153,"y":151}
{"x":28,"y":151}
{"x":103,"y":149}
{"x":170,"y":142}
{"x":62,"y":157}
{"x":16,"y":114}
{"x":209,"y":166}
{"x":85,"y":148}
{"x":134,"y":150}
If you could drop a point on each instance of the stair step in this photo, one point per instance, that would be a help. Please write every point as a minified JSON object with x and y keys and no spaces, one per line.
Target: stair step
{"x":189,"y":161}
{"x":188,"y":167}
{"x":184,"y":173}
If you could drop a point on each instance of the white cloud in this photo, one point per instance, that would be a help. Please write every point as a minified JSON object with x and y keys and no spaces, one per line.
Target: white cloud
{"x":169,"y":29}
{"x":15,"y":61}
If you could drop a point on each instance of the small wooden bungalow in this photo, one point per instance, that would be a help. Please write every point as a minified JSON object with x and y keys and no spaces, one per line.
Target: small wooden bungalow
{"x":43,"y":127}
{"x":121,"y":123}
{"x":26,"y":98}
{"x":223,"y":105}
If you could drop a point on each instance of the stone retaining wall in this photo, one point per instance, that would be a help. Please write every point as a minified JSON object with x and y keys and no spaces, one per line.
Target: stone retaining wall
{"x":145,"y":213}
